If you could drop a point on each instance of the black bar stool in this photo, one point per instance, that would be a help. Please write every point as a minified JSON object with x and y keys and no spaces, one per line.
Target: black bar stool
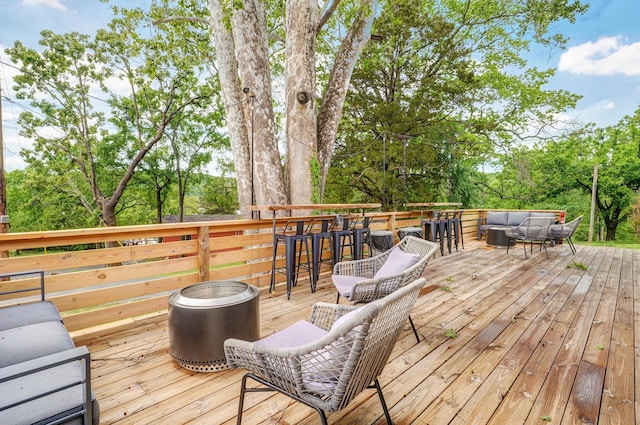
{"x":434,"y":228}
{"x":456,"y":226}
{"x":341,"y":233}
{"x":446,"y":218}
{"x":361,"y":237}
{"x":293,"y":241}
{"x":320,"y":230}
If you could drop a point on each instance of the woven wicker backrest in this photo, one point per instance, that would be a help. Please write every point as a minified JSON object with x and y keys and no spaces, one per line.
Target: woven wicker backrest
{"x":532,"y":228}
{"x":380,"y":287}
{"x":422,"y":247}
{"x":375,"y":329}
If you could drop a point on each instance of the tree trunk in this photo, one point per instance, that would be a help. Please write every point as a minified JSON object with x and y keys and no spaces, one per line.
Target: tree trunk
{"x":109,"y":212}
{"x":243,"y":64}
{"x":336,"y":92}
{"x":237,"y":123}
{"x":301,"y":24}
{"x":611,"y":223}
{"x":252,"y":54}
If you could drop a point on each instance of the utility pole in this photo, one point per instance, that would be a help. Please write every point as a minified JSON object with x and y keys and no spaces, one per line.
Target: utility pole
{"x":594,"y":191}
{"x":4,"y":218}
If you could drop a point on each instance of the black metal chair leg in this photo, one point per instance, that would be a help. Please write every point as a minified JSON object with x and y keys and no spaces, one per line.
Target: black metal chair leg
{"x":272,"y":387}
{"x":382,"y":402}
{"x":243,"y":388}
{"x":544,"y":245}
{"x":415,"y":332}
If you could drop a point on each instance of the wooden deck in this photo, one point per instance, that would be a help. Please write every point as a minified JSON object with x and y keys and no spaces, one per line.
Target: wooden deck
{"x":537,"y":342}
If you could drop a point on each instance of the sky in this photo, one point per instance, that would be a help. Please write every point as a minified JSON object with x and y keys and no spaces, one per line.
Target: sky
{"x":601,"y":62}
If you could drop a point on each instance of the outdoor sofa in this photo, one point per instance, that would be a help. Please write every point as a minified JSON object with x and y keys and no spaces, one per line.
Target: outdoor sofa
{"x":44,"y":377}
{"x":507,"y":219}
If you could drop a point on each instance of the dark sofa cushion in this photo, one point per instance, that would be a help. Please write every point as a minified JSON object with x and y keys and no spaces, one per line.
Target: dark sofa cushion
{"x":32,"y":341}
{"x":560,"y":231}
{"x":496,"y":217}
{"x":517,"y":217}
{"x":28,"y":314}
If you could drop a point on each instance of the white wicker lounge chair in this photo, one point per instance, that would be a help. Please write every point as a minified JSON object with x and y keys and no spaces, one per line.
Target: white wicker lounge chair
{"x":369,"y":279}
{"x":327,"y":361}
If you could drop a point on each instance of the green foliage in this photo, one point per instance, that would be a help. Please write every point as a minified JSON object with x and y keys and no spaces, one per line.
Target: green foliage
{"x":577,"y":265}
{"x":451,"y":333}
{"x":133,"y":110}
{"x":437,"y":87}
{"x":41,"y":201}
{"x":316,"y":175}
{"x":219,"y":196}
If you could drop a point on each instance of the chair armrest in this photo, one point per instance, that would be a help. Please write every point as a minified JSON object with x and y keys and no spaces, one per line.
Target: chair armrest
{"x":30,"y":367}
{"x":366,"y":267}
{"x":324,"y":315}
{"x":25,"y":273}
{"x":369,"y":290}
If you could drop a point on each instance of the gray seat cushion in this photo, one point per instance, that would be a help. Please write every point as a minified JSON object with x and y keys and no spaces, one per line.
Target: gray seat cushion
{"x":300,"y":333}
{"x":517,"y":217}
{"x":496,"y":218}
{"x":50,"y":407}
{"x":29,"y":342}
{"x":560,"y":231}
{"x":28,"y":314}
{"x":344,"y":283}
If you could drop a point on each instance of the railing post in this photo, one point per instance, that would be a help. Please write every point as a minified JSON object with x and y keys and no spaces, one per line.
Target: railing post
{"x":203,"y":253}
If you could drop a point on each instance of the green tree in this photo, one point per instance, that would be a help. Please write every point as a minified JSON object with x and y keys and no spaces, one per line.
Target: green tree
{"x":441,"y":85}
{"x":559,"y":174}
{"x":192,"y":141}
{"x":616,"y":153}
{"x":219,"y":196}
{"x":158,"y":77}
{"x":39,"y":201}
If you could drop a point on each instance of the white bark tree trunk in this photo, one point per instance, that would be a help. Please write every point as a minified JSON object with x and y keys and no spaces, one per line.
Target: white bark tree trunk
{"x":252,"y":54}
{"x":243,"y":62}
{"x":300,"y":50}
{"x":233,"y":98}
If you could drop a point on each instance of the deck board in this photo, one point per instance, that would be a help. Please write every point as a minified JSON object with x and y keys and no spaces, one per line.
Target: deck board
{"x":535,"y":339}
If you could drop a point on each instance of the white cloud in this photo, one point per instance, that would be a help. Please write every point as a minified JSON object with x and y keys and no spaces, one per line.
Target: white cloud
{"x":610,"y":105}
{"x":607,"y":56}
{"x":54,"y":4}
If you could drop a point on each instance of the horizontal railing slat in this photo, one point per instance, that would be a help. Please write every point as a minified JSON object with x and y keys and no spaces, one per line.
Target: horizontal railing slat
{"x":128,"y":270}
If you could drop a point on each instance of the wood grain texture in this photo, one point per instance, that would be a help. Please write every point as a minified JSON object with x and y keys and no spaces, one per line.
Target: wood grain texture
{"x":536,"y":341}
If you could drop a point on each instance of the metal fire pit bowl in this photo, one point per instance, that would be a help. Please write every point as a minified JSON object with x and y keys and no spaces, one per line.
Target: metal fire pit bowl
{"x":203,"y":315}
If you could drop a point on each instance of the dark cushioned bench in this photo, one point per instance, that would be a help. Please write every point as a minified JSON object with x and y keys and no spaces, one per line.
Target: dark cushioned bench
{"x":44,"y":377}
{"x":506,"y":219}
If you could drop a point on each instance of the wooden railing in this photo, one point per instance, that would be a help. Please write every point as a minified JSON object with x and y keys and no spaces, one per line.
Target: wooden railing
{"x":129,"y":271}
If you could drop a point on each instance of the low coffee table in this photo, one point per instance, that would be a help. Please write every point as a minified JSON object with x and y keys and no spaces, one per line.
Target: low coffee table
{"x":496,"y":237}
